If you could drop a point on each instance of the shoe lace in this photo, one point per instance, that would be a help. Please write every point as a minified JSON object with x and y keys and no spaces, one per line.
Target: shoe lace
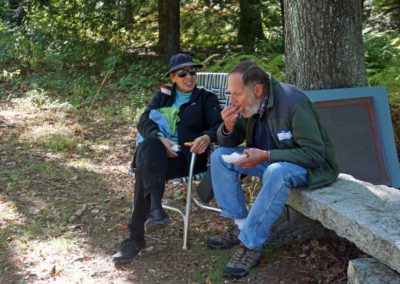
{"x":248,"y":258}
{"x":245,"y":257}
{"x":230,"y":234}
{"x":236,"y":259}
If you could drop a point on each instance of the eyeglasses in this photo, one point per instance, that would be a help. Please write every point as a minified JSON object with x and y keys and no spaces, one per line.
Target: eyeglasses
{"x":182,"y":72}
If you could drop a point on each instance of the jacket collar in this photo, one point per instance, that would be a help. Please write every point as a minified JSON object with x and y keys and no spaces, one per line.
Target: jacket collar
{"x":193,"y":97}
{"x":273,"y":88}
{"x":269,"y":98}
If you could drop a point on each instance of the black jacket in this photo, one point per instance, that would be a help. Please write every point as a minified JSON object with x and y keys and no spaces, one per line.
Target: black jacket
{"x":201,"y":115}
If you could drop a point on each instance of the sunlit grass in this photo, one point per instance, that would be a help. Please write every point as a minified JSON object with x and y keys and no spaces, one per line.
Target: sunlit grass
{"x":82,"y":164}
{"x":43,"y":228}
{"x":13,"y":179}
{"x":91,"y":166}
{"x":8,"y":213}
{"x":60,"y":243}
{"x":41,"y":167}
{"x":212,"y":269}
{"x":38,"y":98}
{"x":55,"y":138}
{"x":59,"y":143}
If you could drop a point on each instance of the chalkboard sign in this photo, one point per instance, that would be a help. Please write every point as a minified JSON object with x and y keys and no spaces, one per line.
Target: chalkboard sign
{"x":352,"y":127}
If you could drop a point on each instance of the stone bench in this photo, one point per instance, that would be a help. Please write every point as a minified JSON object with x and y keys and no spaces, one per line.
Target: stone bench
{"x":365,"y":214}
{"x":370,"y":271}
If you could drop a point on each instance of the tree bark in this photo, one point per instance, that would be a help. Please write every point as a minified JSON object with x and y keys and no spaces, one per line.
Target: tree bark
{"x":168,"y":27}
{"x":127,"y":16}
{"x":17,"y":13}
{"x":282,"y":6}
{"x":323,"y":44}
{"x":250,"y":24}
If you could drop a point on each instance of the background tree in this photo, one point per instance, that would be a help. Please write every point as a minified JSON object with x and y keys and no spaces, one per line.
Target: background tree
{"x":250,"y":24}
{"x":387,"y":12}
{"x":168,"y":27}
{"x":127,"y":13}
{"x":323,"y":44}
{"x":17,"y":11}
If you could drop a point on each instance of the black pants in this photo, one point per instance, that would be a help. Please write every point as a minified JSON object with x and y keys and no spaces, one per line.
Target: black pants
{"x":153,"y":168}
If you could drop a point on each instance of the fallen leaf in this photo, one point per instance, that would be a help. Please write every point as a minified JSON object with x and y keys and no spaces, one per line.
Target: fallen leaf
{"x":54,"y":272}
{"x":123,"y":227}
{"x":83,"y":258}
{"x":78,"y":213}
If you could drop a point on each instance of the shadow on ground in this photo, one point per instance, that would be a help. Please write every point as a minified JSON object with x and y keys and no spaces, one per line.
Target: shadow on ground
{"x":63,"y":213}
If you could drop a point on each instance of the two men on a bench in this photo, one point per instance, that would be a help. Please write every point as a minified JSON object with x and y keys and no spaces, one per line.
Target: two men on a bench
{"x":286,"y":146}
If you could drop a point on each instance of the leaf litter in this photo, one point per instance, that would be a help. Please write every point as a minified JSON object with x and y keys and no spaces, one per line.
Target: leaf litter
{"x":63,"y":214}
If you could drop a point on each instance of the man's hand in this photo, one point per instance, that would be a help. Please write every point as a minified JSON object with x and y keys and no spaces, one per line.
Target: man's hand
{"x":168,"y":144}
{"x":200,"y":144}
{"x":229,"y":115}
{"x":254,"y":157}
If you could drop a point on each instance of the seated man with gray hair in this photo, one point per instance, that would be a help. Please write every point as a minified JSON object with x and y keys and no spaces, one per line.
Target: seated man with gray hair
{"x":286,"y":146}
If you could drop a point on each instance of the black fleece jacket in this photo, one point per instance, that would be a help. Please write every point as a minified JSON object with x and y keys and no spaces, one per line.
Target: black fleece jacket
{"x":200,"y":115}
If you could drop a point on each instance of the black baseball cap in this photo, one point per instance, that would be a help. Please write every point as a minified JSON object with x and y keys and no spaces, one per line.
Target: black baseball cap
{"x":179,"y":61}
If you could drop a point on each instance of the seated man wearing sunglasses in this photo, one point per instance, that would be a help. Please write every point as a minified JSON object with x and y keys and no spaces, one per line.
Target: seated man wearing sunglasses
{"x":177,"y":114}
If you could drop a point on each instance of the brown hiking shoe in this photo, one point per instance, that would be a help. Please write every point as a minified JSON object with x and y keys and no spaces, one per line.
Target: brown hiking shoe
{"x":242,"y":262}
{"x":225,"y":240}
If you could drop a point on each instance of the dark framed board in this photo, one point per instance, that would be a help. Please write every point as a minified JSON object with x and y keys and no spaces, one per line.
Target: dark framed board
{"x":352,"y":127}
{"x":374,"y":112}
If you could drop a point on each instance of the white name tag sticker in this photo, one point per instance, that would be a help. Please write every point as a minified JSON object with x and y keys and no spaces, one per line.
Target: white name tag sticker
{"x":284,"y":135}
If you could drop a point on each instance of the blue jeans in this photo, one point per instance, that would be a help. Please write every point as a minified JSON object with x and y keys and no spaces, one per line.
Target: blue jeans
{"x":277,"y":180}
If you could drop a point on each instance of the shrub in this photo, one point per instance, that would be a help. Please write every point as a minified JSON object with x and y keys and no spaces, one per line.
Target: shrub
{"x":383,"y":68}
{"x":273,"y":64}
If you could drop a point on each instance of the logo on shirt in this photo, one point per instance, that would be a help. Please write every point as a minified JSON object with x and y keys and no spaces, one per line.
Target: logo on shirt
{"x":165,"y":90}
{"x":284,"y":135}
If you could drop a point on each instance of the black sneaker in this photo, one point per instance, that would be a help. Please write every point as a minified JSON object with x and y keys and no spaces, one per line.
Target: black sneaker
{"x":226,"y":240}
{"x":157,"y":220}
{"x":242,"y":262}
{"x":129,"y":249}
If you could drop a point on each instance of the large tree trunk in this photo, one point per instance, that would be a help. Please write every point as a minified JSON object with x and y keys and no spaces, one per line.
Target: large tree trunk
{"x":323,"y":44}
{"x":17,"y":11}
{"x":250,"y":25}
{"x":282,"y":6}
{"x":127,"y":13}
{"x":168,"y":27}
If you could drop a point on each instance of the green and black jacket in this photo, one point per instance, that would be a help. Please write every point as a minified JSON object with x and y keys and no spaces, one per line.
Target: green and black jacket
{"x":296,"y":129}
{"x":200,"y":115}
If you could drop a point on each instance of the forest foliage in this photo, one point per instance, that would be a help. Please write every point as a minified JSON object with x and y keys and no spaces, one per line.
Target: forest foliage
{"x":68,"y":47}
{"x":87,"y":68}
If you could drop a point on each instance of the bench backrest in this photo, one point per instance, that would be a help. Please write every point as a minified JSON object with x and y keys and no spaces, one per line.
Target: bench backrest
{"x":215,"y":82}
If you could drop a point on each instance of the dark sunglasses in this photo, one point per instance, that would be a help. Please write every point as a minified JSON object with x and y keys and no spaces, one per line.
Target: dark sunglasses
{"x":182,"y":72}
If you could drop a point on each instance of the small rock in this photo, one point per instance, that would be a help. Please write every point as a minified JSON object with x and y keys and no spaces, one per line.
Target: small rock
{"x":150,"y":248}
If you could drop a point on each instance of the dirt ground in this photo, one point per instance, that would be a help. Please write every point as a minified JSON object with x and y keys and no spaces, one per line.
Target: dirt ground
{"x":65,"y":199}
